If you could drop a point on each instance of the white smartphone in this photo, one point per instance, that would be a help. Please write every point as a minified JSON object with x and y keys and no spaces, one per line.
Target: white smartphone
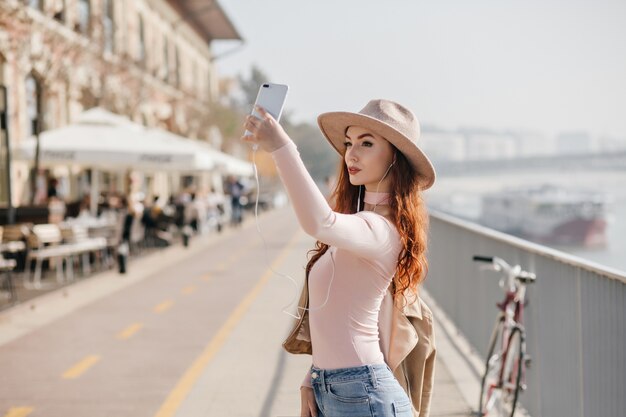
{"x":272,"y":98}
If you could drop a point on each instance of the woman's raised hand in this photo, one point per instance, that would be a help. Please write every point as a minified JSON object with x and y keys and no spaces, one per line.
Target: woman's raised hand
{"x":308,"y":406}
{"x":266,"y":131}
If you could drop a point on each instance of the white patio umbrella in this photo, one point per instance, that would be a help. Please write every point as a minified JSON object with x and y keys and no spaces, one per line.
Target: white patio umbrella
{"x":201,"y":157}
{"x":232,"y":165}
{"x":205,"y":156}
{"x":104,"y":140}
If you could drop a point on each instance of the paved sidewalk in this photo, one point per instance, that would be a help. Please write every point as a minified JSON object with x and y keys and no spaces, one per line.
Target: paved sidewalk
{"x":37,"y":312}
{"x":247,"y":372}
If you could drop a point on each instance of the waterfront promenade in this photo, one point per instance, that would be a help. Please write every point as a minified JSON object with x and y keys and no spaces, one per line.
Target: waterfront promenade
{"x":187,"y":332}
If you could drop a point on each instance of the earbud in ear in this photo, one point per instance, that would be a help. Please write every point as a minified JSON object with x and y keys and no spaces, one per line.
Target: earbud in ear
{"x":394,"y":159}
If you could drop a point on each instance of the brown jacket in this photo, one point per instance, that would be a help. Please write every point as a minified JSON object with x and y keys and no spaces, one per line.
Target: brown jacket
{"x":406,"y":340}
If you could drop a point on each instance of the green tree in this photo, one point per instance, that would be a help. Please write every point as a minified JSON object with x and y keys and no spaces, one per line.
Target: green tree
{"x":250,"y":86}
{"x":317,"y":154}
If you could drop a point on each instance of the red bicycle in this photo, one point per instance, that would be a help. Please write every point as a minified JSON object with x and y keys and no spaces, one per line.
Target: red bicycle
{"x":507,"y":360}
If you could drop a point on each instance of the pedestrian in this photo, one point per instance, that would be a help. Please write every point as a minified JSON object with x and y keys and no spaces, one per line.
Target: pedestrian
{"x":235,"y":190}
{"x":215,"y":209}
{"x":192,"y":213}
{"x":127,"y":214}
{"x":361,"y":318}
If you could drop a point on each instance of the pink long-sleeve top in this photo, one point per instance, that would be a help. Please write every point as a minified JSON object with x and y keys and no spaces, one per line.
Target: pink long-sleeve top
{"x":363,"y":254}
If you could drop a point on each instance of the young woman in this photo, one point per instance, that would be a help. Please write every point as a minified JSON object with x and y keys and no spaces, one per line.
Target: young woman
{"x":369,"y":333}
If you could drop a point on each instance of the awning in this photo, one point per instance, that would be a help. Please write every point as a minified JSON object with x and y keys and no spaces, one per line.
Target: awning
{"x":205,"y":155}
{"x":231,"y":165}
{"x":108,"y":148}
{"x":207,"y":18}
{"x":101,"y":139}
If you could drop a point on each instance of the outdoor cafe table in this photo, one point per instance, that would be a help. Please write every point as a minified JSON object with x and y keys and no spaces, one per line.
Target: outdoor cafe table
{"x":12,"y":247}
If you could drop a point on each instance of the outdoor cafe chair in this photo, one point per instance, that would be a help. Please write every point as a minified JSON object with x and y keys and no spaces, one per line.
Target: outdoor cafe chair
{"x":6,"y":283}
{"x":46,"y":243}
{"x":82,"y":244}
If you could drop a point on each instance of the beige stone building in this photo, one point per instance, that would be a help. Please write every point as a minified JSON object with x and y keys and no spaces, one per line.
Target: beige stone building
{"x":150,"y":60}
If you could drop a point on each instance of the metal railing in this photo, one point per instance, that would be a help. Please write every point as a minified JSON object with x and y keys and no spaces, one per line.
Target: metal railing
{"x":575,"y":318}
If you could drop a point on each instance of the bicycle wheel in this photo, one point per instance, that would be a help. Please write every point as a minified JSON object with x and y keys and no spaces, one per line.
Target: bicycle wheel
{"x":512,"y":371}
{"x":489,"y":389}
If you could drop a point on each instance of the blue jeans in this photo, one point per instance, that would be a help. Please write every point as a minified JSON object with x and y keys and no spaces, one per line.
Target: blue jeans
{"x":362,"y":391}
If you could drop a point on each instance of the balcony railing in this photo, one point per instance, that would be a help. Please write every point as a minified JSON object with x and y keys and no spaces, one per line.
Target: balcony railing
{"x":575,"y":319}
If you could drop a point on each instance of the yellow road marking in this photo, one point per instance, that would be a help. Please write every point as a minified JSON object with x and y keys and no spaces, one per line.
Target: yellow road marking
{"x":18,"y":412}
{"x":186,"y":383}
{"x":189,"y":289}
{"x":232,"y":258}
{"x":82,"y":366}
{"x":129,"y":331}
{"x":240,"y":252}
{"x":165,"y":305}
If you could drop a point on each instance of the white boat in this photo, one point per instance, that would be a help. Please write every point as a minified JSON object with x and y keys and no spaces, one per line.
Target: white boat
{"x":548,"y":214}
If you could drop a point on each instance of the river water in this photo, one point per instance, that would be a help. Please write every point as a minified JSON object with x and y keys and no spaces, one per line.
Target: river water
{"x":462,"y":195}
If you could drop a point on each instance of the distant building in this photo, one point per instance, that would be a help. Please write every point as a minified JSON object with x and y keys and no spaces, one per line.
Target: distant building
{"x":484,"y":145}
{"x":150,"y":60}
{"x":608,"y":143}
{"x":443,"y":146}
{"x":574,"y":143}
{"x":530,"y":143}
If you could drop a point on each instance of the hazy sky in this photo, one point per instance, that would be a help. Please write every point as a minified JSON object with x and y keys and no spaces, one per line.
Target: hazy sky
{"x":551,"y":65}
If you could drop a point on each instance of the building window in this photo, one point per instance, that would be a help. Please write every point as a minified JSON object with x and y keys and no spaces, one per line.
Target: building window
{"x":4,"y":195}
{"x":142,"y":40}
{"x":36,"y":4}
{"x":59,"y":11}
{"x":166,"y":59}
{"x":194,"y":75}
{"x":209,"y":86}
{"x":84,"y":14}
{"x":177,"y":68}
{"x":33,"y":105}
{"x":109,"y":26}
{"x":68,"y":101}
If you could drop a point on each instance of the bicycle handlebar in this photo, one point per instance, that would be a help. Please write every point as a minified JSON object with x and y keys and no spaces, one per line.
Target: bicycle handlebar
{"x":478,"y":258}
{"x":497,"y":263}
{"x":500,"y":264}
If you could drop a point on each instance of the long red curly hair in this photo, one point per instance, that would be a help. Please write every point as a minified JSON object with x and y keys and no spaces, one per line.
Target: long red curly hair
{"x":408,"y":214}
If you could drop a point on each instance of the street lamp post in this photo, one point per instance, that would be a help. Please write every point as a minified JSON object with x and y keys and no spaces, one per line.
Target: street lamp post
{"x":4,"y":128}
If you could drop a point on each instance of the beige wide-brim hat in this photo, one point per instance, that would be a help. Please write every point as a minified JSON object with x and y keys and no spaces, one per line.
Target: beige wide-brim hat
{"x":394,"y":122}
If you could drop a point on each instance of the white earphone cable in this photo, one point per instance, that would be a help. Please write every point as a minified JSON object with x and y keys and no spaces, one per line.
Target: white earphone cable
{"x":285,"y":309}
{"x":293,"y":281}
